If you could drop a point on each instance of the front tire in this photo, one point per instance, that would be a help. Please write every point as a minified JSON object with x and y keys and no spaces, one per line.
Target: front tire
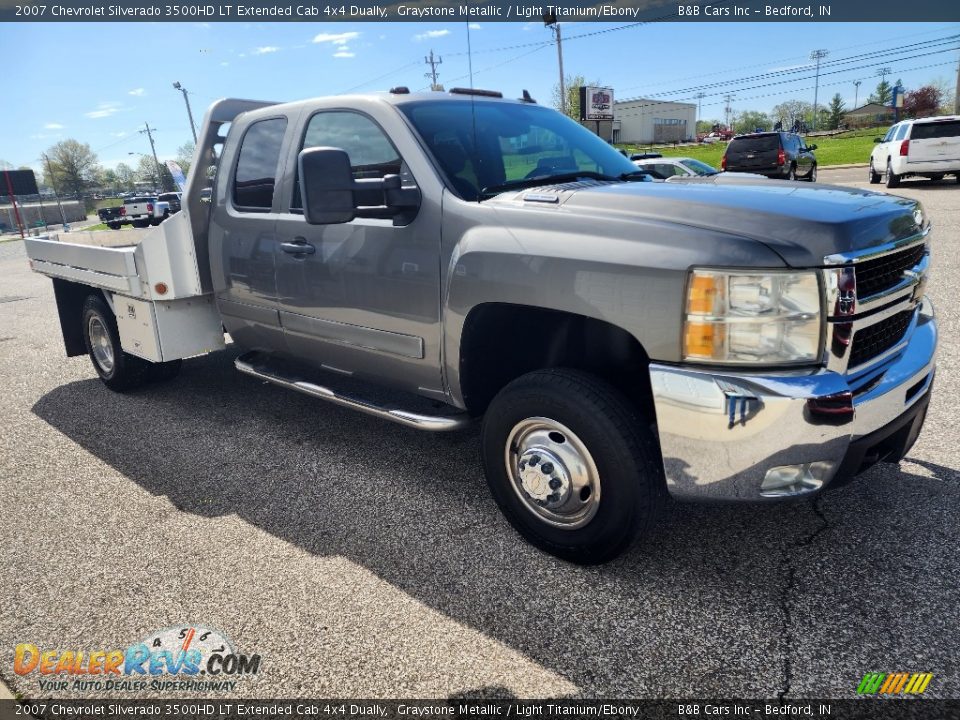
{"x":118,"y":370}
{"x":812,"y":177}
{"x":872,"y":175}
{"x":892,"y":179}
{"x":571,"y":464}
{"x":792,"y":175}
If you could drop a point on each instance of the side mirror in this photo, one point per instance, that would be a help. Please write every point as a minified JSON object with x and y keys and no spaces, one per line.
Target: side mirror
{"x":326,"y":186}
{"x":878,"y":140}
{"x":811,"y":147}
{"x":331,"y":195}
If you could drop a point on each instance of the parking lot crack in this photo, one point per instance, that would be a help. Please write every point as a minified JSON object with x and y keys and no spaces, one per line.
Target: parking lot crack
{"x":788,"y":590}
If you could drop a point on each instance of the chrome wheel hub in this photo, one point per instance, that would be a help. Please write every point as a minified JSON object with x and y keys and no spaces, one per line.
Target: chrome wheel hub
{"x":100,"y":344}
{"x":552,"y":473}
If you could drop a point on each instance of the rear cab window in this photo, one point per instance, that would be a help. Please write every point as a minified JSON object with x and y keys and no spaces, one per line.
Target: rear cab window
{"x":256,"y":174}
{"x":754,"y":143}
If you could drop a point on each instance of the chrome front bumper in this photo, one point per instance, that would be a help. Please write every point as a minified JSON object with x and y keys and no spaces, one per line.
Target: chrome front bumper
{"x":733,"y":436}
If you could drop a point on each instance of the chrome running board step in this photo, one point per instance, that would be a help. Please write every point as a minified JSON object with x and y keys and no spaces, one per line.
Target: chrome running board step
{"x":264,"y":367}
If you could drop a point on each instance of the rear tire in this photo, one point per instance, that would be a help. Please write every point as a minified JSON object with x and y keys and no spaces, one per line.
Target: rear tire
{"x":551,"y":441}
{"x":891,"y":178}
{"x":792,"y":175}
{"x":113,"y":226}
{"x":872,"y":175}
{"x":118,"y":370}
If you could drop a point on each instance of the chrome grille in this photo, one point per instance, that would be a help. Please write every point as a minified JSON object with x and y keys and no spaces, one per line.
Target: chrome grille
{"x":883,"y":273}
{"x":876,"y":339}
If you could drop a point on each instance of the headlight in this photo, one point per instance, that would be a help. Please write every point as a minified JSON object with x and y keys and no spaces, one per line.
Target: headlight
{"x":765,"y":318}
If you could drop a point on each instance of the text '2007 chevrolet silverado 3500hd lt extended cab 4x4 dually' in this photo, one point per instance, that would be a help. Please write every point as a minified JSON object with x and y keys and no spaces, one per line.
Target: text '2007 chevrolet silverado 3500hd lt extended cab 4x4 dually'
{"x":717,"y":339}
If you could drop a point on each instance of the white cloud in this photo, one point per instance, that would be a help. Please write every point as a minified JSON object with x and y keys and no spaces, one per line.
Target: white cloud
{"x":53,"y":126}
{"x":265,"y":50}
{"x":345,"y":53}
{"x":104,"y":109}
{"x":137,"y":92}
{"x":119,"y":134}
{"x":431,"y":34}
{"x":224,"y":64}
{"x":475,"y":26}
{"x":336,"y":38}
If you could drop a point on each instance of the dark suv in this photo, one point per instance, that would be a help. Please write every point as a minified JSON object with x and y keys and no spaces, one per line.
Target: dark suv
{"x":774,"y":154}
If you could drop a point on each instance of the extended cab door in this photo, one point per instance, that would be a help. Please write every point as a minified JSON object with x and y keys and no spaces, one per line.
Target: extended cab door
{"x":363,"y":297}
{"x":242,"y":235}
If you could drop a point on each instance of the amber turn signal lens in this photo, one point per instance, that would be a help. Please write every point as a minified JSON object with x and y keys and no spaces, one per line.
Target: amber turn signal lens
{"x":160,"y":288}
{"x":703,"y":293}
{"x":703,"y":341}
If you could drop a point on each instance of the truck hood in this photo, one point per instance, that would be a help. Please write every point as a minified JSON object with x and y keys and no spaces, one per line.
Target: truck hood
{"x":802,"y":223}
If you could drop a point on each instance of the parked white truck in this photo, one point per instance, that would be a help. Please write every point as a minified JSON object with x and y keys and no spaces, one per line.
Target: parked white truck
{"x":718,"y":339}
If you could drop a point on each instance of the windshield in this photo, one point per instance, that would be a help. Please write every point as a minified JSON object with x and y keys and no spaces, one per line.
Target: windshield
{"x":512,"y":142}
{"x":698,"y":168}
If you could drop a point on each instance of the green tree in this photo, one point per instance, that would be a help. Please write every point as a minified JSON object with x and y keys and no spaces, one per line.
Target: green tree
{"x":72,"y":166}
{"x":836,"y":108}
{"x":749,"y":120}
{"x":572,"y":85}
{"x":184,"y":156}
{"x":883,"y":94}
{"x":792,"y":112}
{"x":125,"y":176}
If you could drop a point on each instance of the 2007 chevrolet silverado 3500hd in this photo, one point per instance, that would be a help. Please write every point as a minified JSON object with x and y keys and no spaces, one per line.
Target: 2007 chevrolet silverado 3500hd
{"x":714,"y":339}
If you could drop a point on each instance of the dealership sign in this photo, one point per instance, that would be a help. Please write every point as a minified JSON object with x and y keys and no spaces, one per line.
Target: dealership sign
{"x":596,"y":103}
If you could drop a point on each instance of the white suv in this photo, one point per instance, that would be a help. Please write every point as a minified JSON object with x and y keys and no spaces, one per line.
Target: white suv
{"x":929,"y":147}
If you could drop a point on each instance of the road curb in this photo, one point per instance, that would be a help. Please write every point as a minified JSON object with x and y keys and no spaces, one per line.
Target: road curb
{"x":843,"y":167}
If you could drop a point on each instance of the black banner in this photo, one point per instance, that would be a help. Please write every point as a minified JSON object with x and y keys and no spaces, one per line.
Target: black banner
{"x":475,"y":10}
{"x":21,"y":182}
{"x":456,"y":709}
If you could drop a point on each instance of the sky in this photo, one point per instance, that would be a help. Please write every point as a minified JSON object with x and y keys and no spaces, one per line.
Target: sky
{"x":99,"y":83}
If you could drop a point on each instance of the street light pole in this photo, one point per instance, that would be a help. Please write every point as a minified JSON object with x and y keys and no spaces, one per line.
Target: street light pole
{"x":186,"y":99}
{"x":550,"y":20}
{"x":856,"y":92}
{"x":817,"y":55}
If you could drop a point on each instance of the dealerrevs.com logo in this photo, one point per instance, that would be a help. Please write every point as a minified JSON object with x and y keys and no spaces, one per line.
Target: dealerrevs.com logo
{"x":894,"y":683}
{"x":186,"y":658}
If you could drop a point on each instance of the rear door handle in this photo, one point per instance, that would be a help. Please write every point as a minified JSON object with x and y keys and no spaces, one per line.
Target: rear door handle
{"x":299,"y":246}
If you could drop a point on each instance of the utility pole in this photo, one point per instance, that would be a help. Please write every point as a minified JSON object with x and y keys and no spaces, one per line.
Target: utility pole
{"x":193,"y":128}
{"x":727,"y":100}
{"x":700,"y":96}
{"x":856,"y":92}
{"x":149,"y":131}
{"x":956,"y":94}
{"x":432,"y":75}
{"x":550,"y":21}
{"x":817,"y":55}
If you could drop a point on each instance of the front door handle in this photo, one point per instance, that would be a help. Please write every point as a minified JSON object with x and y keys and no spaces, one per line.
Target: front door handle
{"x":299,"y":246}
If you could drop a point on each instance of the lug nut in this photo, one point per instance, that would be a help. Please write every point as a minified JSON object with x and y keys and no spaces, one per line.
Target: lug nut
{"x":535,"y":460}
{"x":546,"y":468}
{"x":554,"y":483}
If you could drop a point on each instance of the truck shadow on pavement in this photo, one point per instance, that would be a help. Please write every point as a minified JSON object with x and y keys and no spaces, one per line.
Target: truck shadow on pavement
{"x":709,"y":605}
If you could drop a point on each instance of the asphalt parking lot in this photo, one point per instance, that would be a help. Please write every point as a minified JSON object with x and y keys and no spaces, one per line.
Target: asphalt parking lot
{"x":364,"y":559}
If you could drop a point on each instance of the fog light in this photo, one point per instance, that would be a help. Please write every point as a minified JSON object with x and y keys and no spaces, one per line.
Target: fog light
{"x":787,"y":480}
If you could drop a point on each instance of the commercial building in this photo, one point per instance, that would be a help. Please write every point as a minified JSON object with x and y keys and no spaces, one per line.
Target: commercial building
{"x":643,"y":120}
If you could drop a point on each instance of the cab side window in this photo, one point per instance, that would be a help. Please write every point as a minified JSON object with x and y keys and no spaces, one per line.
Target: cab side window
{"x":889,"y":136}
{"x":372,"y":155}
{"x":256,"y":175}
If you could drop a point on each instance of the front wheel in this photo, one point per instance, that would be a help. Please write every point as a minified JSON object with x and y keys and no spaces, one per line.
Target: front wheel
{"x":892,"y":179}
{"x":571,"y":464}
{"x":119,"y":371}
{"x":812,"y":177}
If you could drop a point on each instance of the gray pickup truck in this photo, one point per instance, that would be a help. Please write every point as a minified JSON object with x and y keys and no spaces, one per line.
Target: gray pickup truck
{"x":432,"y":259}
